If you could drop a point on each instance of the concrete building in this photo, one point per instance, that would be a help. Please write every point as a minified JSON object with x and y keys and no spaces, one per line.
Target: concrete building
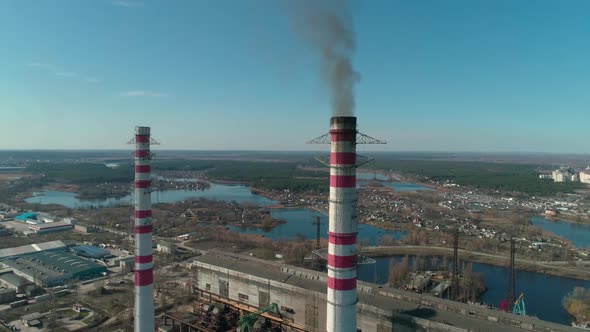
{"x":86,"y":229}
{"x":91,"y":252}
{"x":301,"y":297}
{"x":127,"y":265}
{"x":18,"y":283}
{"x":53,"y":227}
{"x":71,"y":221}
{"x":7,"y":295}
{"x":585,"y":176}
{"x":31,"y":248}
{"x":53,"y":268}
{"x":166,"y":247}
{"x":561,"y":176}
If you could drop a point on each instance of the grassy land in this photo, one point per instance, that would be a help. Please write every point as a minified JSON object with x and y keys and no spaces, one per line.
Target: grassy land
{"x":268,"y":175}
{"x":486,"y":175}
{"x":81,"y":172}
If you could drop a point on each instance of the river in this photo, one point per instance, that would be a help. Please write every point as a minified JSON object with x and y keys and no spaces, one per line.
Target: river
{"x":299,"y":225}
{"x":578,"y":234}
{"x":542,"y":293}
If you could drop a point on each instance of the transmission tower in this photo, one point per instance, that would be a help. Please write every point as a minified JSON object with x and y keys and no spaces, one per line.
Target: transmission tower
{"x":317,"y":224}
{"x":511,"y":296}
{"x":455,"y":280}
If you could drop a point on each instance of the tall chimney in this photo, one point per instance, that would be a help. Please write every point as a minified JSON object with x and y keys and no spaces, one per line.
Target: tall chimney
{"x":342,"y":257}
{"x":144,"y":275}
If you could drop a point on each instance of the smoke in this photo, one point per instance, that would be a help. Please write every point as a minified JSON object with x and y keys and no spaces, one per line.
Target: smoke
{"x":327,"y":26}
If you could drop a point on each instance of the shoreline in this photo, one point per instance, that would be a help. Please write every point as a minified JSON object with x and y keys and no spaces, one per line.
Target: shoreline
{"x":557,"y":268}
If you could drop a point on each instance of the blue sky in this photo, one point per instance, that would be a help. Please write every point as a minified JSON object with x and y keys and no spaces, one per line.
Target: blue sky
{"x":456,"y":75}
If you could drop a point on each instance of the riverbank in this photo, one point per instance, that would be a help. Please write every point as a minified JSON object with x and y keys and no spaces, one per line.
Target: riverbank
{"x":576,"y":220}
{"x":556,"y":268}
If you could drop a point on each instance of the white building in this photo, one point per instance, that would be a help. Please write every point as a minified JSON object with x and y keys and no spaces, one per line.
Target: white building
{"x":585,"y":176}
{"x":560,"y":176}
{"x":564,"y":174}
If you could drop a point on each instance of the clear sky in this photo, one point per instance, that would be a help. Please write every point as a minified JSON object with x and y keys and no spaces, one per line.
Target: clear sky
{"x":455,"y":75}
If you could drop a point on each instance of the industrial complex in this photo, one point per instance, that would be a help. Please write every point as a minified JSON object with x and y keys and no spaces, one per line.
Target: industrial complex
{"x":250,"y":284}
{"x":46,"y":265}
{"x":228,"y":290}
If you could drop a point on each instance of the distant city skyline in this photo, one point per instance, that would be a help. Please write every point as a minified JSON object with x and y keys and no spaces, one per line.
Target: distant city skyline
{"x":479,"y":76}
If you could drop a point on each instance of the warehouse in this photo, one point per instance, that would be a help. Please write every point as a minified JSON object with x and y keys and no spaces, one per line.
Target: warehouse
{"x":18,"y":283}
{"x":53,"y":268}
{"x":7,"y":295}
{"x":51,"y":227}
{"x":25,"y":216}
{"x":31,"y":248}
{"x":91,"y":252}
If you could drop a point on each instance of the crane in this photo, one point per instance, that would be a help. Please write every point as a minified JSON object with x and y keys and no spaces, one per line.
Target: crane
{"x":519,"y":308}
{"x":246,"y":323}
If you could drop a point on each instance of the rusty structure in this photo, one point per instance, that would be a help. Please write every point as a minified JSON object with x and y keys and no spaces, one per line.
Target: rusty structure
{"x":215,"y":313}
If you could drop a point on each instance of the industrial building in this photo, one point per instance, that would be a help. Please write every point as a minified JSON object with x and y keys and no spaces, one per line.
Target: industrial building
{"x":166,"y":247}
{"x":29,"y":218}
{"x":31,"y":248}
{"x":91,"y":252}
{"x":53,"y":268}
{"x":80,"y":228}
{"x":53,"y":227}
{"x":301,"y":296}
{"x":7,"y":295}
{"x":18,"y":283}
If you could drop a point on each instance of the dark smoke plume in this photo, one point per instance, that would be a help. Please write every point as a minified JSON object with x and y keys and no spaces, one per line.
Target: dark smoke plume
{"x":327,"y":25}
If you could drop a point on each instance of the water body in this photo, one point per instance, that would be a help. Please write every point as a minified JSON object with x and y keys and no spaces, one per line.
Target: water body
{"x":404,"y":186}
{"x":542,"y":293}
{"x":299,"y":225}
{"x":238,"y":193}
{"x":362,"y":178}
{"x":578,"y":234}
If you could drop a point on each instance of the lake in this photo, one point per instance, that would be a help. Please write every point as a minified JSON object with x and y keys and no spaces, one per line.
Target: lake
{"x":238,"y":193}
{"x":364,"y":177}
{"x":299,"y":224}
{"x":578,"y":234}
{"x":542,"y":293}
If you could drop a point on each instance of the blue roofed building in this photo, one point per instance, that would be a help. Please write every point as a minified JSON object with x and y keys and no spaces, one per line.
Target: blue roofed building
{"x":91,"y":252}
{"x":26,"y":216}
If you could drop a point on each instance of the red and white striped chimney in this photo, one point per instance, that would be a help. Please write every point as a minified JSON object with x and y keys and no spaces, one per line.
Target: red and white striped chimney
{"x":144,"y":275}
{"x":342,"y":257}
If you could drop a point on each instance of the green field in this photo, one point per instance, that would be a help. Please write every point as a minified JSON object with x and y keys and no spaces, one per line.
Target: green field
{"x":486,"y":175}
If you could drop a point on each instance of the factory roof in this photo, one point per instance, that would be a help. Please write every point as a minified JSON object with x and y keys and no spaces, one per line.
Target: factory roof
{"x":26,"y":216}
{"x":14,"y":280}
{"x":45,"y":264}
{"x":369,"y":294}
{"x":7,"y":290}
{"x":31,"y":248}
{"x":50,"y":225}
{"x":91,"y":251}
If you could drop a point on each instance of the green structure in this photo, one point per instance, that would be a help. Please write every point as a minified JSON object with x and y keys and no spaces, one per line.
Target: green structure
{"x":53,"y":268}
{"x":247,"y":322}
